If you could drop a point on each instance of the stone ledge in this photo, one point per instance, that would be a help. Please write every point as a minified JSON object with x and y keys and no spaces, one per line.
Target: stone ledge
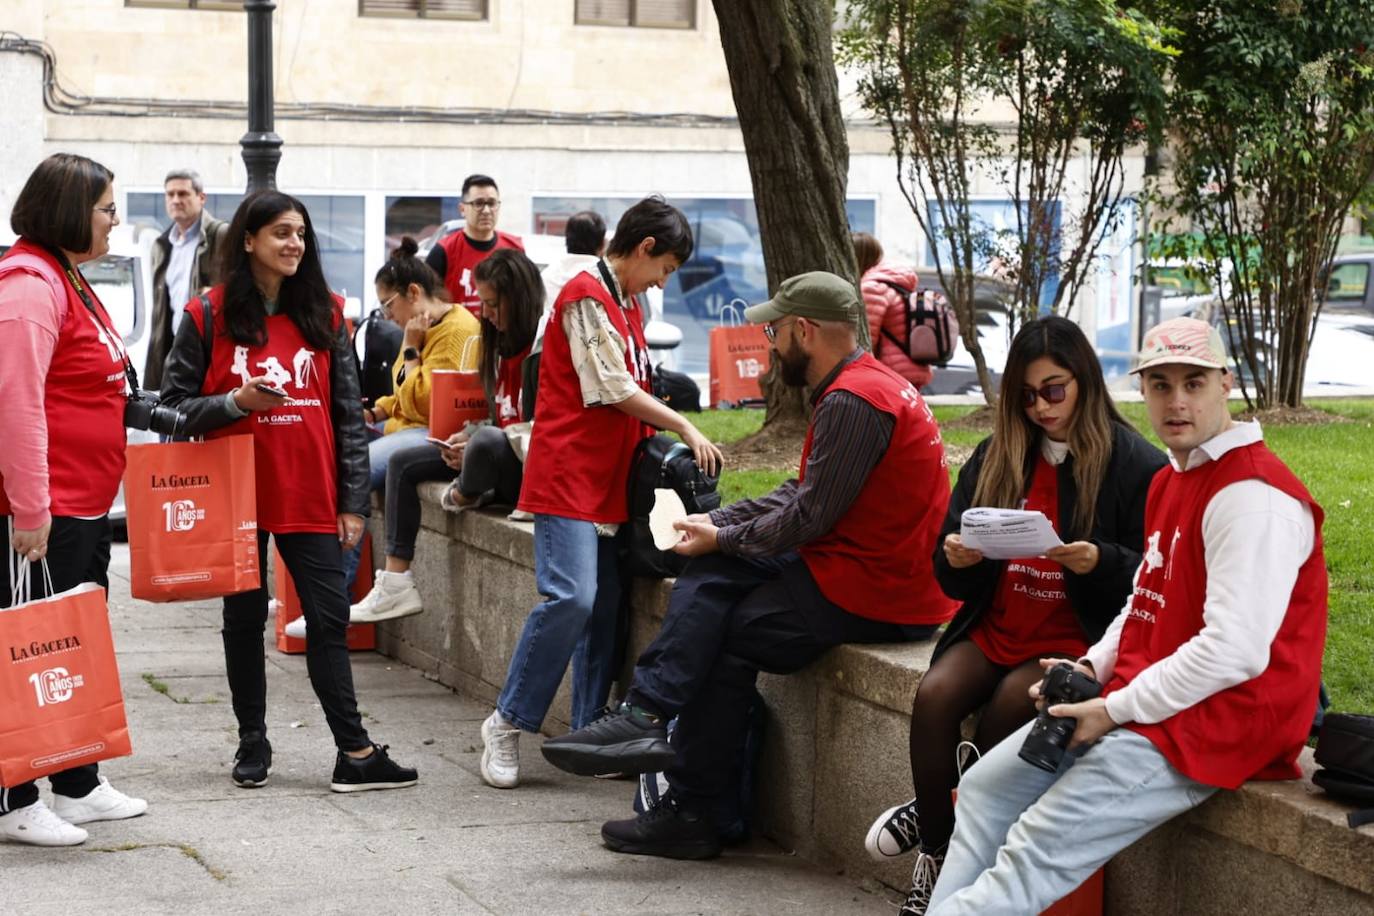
{"x":835,"y":748}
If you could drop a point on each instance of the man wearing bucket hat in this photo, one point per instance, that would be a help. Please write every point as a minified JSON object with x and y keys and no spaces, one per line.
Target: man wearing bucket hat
{"x":841,"y":554}
{"x":1209,"y":675}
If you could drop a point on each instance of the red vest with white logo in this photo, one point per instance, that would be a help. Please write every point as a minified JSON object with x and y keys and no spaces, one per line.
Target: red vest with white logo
{"x":578,"y":464}
{"x":876,"y":561}
{"x":508,"y":393}
{"x":462,"y":260}
{"x":83,"y":397}
{"x":293,"y":445}
{"x":1255,"y":729}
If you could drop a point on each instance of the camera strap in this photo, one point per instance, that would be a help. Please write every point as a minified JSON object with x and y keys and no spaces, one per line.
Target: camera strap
{"x":78,"y":283}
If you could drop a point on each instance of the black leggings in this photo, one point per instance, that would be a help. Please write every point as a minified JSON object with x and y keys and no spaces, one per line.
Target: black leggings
{"x":959,"y":682}
{"x":78,"y":551}
{"x":315,"y":562}
{"x":489,"y":463}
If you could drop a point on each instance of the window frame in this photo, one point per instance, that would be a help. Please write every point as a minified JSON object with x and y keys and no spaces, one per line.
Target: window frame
{"x":423,"y":13}
{"x":634,"y":23}
{"x":215,"y":6}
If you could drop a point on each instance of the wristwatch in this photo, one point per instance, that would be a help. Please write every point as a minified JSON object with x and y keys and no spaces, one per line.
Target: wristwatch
{"x":410,"y":353}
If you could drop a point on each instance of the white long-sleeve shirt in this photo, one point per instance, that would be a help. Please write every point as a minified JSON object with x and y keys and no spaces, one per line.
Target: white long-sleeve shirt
{"x":1255,"y":539}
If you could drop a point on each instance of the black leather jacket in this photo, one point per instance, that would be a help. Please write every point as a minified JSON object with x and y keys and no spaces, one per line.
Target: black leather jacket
{"x":1118,"y":531}
{"x":184,"y":374}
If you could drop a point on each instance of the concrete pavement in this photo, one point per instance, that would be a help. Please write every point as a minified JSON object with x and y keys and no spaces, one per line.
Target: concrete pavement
{"x":449,"y":845}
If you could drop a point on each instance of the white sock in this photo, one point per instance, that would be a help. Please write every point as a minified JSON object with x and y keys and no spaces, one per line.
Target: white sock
{"x":500,"y":721}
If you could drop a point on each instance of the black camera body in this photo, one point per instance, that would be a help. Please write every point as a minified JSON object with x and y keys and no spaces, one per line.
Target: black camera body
{"x":1049,"y":736}
{"x":144,"y":410}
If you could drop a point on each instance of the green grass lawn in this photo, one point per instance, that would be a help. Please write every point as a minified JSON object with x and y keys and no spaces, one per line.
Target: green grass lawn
{"x":1336,"y":461}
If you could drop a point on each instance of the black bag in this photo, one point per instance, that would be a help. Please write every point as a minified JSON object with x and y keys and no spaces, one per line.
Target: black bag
{"x":1345,"y":750}
{"x":662,"y":461}
{"x":932,"y":328}
{"x":380,"y":346}
{"x":677,"y":390}
{"x":529,"y":385}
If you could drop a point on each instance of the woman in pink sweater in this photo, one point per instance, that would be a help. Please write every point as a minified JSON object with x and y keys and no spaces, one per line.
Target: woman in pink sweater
{"x":886,"y":307}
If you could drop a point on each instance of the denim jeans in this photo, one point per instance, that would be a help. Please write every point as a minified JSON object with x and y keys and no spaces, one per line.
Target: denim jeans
{"x":1024,"y":838}
{"x":575,"y":571}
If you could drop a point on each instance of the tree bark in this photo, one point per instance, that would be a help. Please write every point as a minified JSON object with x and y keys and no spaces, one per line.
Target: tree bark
{"x":782,"y":74}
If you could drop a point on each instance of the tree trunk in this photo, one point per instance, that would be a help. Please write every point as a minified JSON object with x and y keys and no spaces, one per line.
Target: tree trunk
{"x":782,"y":75}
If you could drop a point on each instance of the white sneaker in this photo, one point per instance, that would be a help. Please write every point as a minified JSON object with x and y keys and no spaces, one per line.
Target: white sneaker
{"x":104,"y":803}
{"x":296,"y":628}
{"x":501,"y":754}
{"x":393,"y":595}
{"x":36,"y":825}
{"x":520,"y":515}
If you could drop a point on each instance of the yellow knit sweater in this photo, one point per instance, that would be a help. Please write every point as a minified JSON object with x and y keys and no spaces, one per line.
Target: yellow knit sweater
{"x":408,"y":406}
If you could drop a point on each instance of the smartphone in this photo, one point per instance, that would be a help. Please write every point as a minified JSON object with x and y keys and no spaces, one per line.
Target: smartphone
{"x":442,"y":443}
{"x":268,"y":389}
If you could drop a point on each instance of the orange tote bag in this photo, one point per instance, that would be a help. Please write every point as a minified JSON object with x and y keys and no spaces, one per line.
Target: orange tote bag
{"x":456,"y":397}
{"x":739,"y":357}
{"x":193,"y":519}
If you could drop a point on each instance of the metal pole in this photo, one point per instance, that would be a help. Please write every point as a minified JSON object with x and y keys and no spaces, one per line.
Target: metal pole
{"x":261,"y":145}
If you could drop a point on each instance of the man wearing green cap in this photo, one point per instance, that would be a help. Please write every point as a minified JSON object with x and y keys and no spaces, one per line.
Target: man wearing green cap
{"x":840,"y":554}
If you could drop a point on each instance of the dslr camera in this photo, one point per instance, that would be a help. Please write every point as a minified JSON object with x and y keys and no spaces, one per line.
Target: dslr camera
{"x":1049,"y":736}
{"x":144,"y":410}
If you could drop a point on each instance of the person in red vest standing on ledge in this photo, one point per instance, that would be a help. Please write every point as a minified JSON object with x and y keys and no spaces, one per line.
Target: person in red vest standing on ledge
{"x":1210,"y":673}
{"x":841,"y":554}
{"x":456,"y":257}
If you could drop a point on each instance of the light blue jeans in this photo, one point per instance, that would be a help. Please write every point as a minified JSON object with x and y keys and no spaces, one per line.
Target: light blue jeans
{"x":379,"y":452}
{"x":576,"y":573}
{"x":1024,"y":838}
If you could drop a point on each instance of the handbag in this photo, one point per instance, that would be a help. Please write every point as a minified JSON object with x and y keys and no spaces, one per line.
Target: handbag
{"x":1345,"y":751}
{"x":192,"y":519}
{"x":739,"y":358}
{"x":456,"y":397}
{"x":59,"y":685}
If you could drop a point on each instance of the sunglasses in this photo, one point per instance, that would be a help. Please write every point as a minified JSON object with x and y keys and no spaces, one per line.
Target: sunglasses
{"x":1053,"y":394}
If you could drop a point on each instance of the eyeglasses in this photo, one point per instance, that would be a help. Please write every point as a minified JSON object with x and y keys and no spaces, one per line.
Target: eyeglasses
{"x":1053,"y":394}
{"x":483,"y":203}
{"x":111,"y":211}
{"x":386,"y":306}
{"x":771,"y":330}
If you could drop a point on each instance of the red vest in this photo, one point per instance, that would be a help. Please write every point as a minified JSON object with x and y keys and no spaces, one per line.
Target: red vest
{"x":876,"y":561}
{"x":463,"y":260}
{"x":578,"y":464}
{"x":508,"y":393}
{"x":293,"y":445}
{"x":83,"y":397}
{"x":1255,"y":729}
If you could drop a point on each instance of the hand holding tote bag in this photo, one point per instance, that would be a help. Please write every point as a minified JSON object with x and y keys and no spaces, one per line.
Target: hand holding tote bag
{"x":59,"y":683}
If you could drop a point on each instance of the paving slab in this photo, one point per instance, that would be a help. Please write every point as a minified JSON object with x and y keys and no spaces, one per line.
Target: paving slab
{"x":450,"y":845}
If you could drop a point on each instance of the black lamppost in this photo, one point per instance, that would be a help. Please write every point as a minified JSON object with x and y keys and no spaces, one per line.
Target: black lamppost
{"x":261,"y":145}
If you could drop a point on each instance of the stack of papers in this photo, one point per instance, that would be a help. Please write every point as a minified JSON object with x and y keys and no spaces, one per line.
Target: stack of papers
{"x":1006,"y":534}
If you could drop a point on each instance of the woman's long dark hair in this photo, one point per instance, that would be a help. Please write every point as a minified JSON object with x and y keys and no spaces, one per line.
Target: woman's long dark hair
{"x":1015,"y":441}
{"x":516,"y":282}
{"x":304,"y":296}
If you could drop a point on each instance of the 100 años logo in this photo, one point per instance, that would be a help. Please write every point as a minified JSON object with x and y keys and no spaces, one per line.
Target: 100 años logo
{"x":54,"y":685}
{"x":182,"y":514}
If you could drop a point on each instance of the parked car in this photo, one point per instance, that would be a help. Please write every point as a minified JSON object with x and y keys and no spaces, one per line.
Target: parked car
{"x":1347,"y":282}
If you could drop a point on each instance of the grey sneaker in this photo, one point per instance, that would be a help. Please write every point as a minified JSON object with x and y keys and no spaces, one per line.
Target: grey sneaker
{"x":923,"y":878}
{"x":500,"y":753}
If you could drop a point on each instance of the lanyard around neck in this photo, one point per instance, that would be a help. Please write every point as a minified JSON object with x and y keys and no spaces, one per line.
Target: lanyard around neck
{"x":77,"y":281}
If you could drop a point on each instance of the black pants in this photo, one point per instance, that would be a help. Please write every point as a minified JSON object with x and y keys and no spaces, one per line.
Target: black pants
{"x":489,"y":463}
{"x":78,"y":551}
{"x":315,"y":562}
{"x":728,"y":619}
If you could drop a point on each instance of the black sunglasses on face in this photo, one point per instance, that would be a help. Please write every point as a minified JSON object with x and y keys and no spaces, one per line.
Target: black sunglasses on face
{"x":1053,"y":394}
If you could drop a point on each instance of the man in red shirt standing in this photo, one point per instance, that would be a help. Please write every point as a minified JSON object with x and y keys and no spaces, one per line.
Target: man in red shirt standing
{"x":1210,"y":673}
{"x":457,"y":255}
{"x":841,"y":554}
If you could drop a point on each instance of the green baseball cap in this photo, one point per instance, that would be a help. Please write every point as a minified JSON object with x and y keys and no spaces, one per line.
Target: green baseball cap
{"x":817,"y":294}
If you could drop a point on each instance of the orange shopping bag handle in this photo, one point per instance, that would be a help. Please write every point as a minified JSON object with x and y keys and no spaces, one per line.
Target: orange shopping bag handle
{"x":735,"y":312}
{"x":19,"y":570}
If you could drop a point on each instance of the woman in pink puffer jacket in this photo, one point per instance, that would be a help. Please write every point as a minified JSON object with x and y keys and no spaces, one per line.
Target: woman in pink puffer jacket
{"x":887,"y":308}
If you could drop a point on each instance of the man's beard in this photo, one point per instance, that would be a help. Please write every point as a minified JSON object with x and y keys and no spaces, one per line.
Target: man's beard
{"x":793,"y":366}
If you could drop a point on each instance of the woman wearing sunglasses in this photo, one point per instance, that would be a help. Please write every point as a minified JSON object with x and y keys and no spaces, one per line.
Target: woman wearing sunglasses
{"x":1059,"y":446}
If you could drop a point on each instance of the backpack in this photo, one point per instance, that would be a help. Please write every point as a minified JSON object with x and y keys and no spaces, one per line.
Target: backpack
{"x":932,"y":328}
{"x":1345,"y":750}
{"x":380,"y":346}
{"x":676,"y":389}
{"x":663,"y":462}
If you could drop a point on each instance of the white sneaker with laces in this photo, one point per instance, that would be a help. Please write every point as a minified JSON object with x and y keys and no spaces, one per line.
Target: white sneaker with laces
{"x":104,"y":803}
{"x":923,"y":878}
{"x":895,"y":833}
{"x":501,"y":753}
{"x":393,"y":595}
{"x":296,"y":628}
{"x":36,"y":825}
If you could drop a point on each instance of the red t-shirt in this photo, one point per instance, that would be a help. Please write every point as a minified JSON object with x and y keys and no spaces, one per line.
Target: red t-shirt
{"x":1031,"y":615}
{"x":293,"y":445}
{"x":463,"y":260}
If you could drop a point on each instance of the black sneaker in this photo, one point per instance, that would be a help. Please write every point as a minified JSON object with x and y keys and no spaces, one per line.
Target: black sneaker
{"x":252,"y":761}
{"x":667,"y":830}
{"x":628,"y":740}
{"x":375,"y":771}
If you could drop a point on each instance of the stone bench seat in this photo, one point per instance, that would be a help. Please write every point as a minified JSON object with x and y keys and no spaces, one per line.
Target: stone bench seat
{"x":835,"y":748}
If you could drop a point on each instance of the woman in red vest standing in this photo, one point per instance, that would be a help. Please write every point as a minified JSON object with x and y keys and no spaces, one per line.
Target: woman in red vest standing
{"x":63,"y":384}
{"x":1058,"y":446}
{"x":593,"y":407}
{"x":275,"y":362}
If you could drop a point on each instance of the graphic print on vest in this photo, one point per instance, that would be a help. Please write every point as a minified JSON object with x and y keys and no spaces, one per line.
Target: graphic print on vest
{"x":302,"y":373}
